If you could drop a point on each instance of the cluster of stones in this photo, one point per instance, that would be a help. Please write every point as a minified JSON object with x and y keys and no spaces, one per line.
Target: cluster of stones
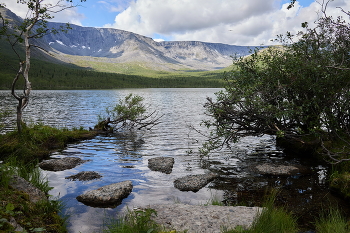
{"x":175,"y":216}
{"x":106,"y":196}
{"x":111,"y":195}
{"x":188,"y":183}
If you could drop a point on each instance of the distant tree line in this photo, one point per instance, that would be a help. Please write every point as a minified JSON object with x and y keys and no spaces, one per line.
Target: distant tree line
{"x":49,"y":76}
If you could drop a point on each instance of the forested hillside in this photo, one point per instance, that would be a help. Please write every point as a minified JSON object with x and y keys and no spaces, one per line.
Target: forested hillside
{"x":48,"y":75}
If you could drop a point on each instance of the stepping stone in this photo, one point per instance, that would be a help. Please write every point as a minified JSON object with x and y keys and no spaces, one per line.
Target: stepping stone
{"x":194,"y":182}
{"x":161,"y":164}
{"x":61,"y":164}
{"x":107,"y":196}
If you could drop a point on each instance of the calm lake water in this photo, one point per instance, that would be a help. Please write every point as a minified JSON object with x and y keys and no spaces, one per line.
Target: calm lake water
{"x":123,"y":157}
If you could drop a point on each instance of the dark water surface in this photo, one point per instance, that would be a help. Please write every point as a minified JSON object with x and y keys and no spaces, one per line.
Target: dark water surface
{"x":123,"y":157}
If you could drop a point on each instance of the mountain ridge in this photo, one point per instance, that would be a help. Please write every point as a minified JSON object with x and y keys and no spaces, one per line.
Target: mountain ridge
{"x":108,"y":45}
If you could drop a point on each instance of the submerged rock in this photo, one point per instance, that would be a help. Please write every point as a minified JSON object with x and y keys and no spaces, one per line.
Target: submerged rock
{"x":161,"y":164}
{"x":194,"y":182}
{"x":20,"y":184}
{"x":107,"y":196}
{"x":280,"y":170}
{"x":61,"y":164}
{"x":83,"y":176}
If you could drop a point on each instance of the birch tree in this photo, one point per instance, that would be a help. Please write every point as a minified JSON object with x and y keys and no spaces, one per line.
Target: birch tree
{"x":34,"y":26}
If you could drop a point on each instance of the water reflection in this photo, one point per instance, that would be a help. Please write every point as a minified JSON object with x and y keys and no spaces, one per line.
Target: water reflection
{"x":123,"y":157}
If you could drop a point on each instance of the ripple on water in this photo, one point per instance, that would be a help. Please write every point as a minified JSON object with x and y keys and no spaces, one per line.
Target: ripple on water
{"x":124,"y":156}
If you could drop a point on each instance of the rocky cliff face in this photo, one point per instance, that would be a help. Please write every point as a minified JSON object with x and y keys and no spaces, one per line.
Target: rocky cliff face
{"x":120,"y":46}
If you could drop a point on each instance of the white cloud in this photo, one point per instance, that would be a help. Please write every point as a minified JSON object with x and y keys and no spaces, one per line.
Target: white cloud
{"x":247,"y":22}
{"x":240,"y":22}
{"x":67,"y":16}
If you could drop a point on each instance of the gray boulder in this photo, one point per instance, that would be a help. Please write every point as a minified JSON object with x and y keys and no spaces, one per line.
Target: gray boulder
{"x":107,"y":196}
{"x":61,"y":164}
{"x":161,"y":164}
{"x":194,"y":182}
{"x":280,"y":170}
{"x":20,"y":184}
{"x":204,"y":219}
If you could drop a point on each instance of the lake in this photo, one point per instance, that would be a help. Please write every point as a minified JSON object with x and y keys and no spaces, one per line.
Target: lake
{"x":124,"y":156}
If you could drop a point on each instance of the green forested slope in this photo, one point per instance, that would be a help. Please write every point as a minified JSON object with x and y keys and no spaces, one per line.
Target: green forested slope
{"x":48,"y":75}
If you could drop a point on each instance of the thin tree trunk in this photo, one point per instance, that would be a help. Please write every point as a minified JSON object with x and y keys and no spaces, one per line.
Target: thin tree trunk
{"x":23,"y":99}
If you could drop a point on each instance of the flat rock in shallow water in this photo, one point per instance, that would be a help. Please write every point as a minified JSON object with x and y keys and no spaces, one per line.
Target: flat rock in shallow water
{"x":161,"y":164}
{"x":83,"y":176}
{"x":107,"y":196}
{"x":61,"y":164}
{"x":194,"y":182}
{"x":20,"y":184}
{"x":280,"y":170}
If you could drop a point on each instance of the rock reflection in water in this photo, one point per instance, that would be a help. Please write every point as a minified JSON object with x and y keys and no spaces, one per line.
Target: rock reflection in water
{"x":125,"y":157}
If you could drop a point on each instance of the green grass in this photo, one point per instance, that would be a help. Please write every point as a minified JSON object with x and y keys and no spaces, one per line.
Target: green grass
{"x":37,"y":141}
{"x":145,"y":69}
{"x":94,"y":74}
{"x":19,"y":156}
{"x":41,"y":216}
{"x":134,"y":221}
{"x":215,"y":200}
{"x":332,"y":221}
{"x":271,"y":219}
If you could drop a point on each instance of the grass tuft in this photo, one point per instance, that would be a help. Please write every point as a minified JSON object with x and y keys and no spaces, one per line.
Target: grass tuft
{"x":332,"y":221}
{"x":271,"y":219}
{"x":37,"y":141}
{"x":135,"y":221}
{"x":33,"y":217}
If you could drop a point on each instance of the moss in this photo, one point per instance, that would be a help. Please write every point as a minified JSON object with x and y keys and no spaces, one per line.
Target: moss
{"x":23,"y":151}
{"x":16,"y":205}
{"x":38,"y":141}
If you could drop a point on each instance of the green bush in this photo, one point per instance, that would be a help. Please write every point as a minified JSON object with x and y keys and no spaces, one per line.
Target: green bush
{"x":301,"y":88}
{"x":130,"y":113}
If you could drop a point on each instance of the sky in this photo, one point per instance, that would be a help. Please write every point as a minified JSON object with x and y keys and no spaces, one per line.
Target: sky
{"x":235,"y":22}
